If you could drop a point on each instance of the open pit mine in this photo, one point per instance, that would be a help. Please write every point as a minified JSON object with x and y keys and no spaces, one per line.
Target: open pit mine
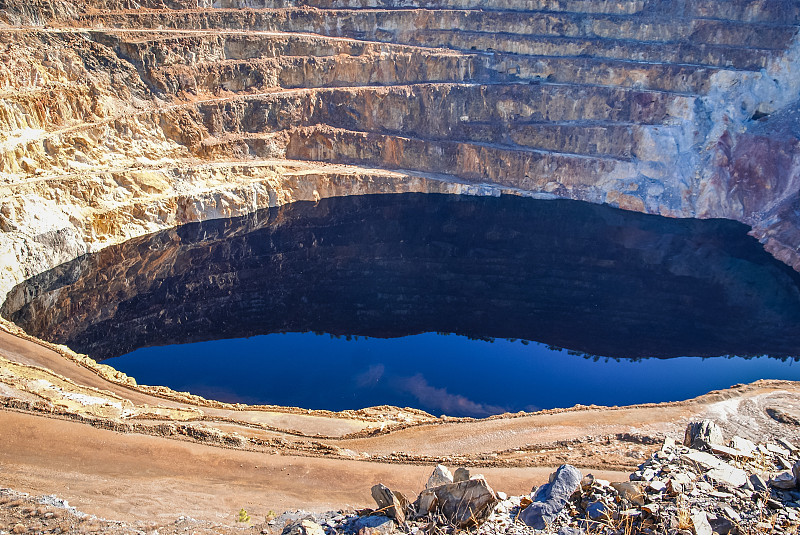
{"x":124,"y":118}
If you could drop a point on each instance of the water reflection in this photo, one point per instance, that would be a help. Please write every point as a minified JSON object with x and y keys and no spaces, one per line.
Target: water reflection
{"x":589,"y":278}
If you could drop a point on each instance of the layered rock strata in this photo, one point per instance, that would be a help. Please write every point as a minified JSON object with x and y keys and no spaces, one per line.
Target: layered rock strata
{"x":121,"y":118}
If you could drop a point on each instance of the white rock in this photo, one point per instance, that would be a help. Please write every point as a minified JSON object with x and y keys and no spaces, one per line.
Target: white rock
{"x":733,"y":477}
{"x":440,"y":476}
{"x":730,"y":452}
{"x":742,"y":444}
{"x":786,"y":444}
{"x":777,"y":450}
{"x":701,"y":525}
{"x":721,"y":471}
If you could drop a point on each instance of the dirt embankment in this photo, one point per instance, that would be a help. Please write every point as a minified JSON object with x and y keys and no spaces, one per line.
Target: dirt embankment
{"x":135,"y":453}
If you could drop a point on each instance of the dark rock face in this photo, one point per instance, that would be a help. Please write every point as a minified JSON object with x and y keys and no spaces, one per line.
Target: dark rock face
{"x":575,"y":275}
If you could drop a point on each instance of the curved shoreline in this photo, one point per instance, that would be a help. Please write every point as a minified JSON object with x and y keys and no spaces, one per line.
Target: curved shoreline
{"x":166,"y":446}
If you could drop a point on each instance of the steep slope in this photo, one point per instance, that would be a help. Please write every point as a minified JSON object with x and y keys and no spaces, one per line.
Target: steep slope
{"x":122,"y":118}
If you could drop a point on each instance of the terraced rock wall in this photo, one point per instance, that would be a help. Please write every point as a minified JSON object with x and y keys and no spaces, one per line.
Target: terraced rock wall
{"x":119,"y":118}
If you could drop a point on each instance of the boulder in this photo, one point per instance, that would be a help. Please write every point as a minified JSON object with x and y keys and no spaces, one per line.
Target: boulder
{"x":305,"y":526}
{"x":728,"y":475}
{"x":426,"y":502}
{"x":392,"y":504}
{"x":701,"y":435}
{"x":463,"y":504}
{"x":550,"y":498}
{"x":796,"y":471}
{"x":462,"y":474}
{"x":440,"y":476}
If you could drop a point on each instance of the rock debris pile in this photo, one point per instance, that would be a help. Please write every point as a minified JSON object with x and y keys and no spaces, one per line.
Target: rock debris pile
{"x":705,"y":486}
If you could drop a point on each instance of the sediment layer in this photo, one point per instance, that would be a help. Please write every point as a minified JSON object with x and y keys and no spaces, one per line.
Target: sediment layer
{"x":117,"y":120}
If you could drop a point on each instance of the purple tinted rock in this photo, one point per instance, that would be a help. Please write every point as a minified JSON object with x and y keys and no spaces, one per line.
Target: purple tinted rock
{"x":550,"y":499}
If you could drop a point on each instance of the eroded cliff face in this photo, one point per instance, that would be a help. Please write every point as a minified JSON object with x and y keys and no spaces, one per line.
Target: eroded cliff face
{"x":121,"y":118}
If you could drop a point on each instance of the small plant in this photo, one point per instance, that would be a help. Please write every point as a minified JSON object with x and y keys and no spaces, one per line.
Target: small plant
{"x":243,"y":516}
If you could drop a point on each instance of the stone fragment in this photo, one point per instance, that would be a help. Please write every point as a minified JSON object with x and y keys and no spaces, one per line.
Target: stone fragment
{"x":550,"y":498}
{"x":376,"y":524}
{"x":730,"y":452}
{"x":668,"y":445}
{"x":305,"y":526}
{"x":731,"y":513}
{"x":758,"y":482}
{"x":566,"y":530}
{"x":705,"y":460}
{"x":702,"y":434}
{"x":786,"y":444}
{"x":426,"y":502}
{"x":465,"y":503}
{"x":390,"y":503}
{"x":728,"y":475}
{"x":704,"y":487}
{"x":743,"y":445}
{"x":796,"y":470}
{"x":630,"y":491}
{"x":440,"y":476}
{"x":784,"y":480}
{"x":650,"y":508}
{"x":721,"y":526}
{"x":777,"y":450}
{"x":462,"y":474}
{"x":597,"y":510}
{"x":720,"y":471}
{"x":657,"y":486}
{"x":700,"y":524}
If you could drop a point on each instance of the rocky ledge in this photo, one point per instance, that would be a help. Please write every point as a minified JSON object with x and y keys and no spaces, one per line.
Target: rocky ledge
{"x":705,"y":486}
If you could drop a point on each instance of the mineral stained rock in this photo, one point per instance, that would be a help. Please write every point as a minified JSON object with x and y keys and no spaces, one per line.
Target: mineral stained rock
{"x":118,"y":119}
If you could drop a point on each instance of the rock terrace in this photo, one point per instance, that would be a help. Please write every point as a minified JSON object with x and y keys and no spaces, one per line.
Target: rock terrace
{"x":121,"y":118}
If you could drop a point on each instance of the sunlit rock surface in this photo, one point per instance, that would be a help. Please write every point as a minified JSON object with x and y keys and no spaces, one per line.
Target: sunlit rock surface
{"x":122,"y":118}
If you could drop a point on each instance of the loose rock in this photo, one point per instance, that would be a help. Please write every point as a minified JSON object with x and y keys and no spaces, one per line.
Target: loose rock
{"x":390,"y":503}
{"x":440,"y":476}
{"x":550,"y":498}
{"x":464,"y":503}
{"x":701,"y":435}
{"x":306,"y":526}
